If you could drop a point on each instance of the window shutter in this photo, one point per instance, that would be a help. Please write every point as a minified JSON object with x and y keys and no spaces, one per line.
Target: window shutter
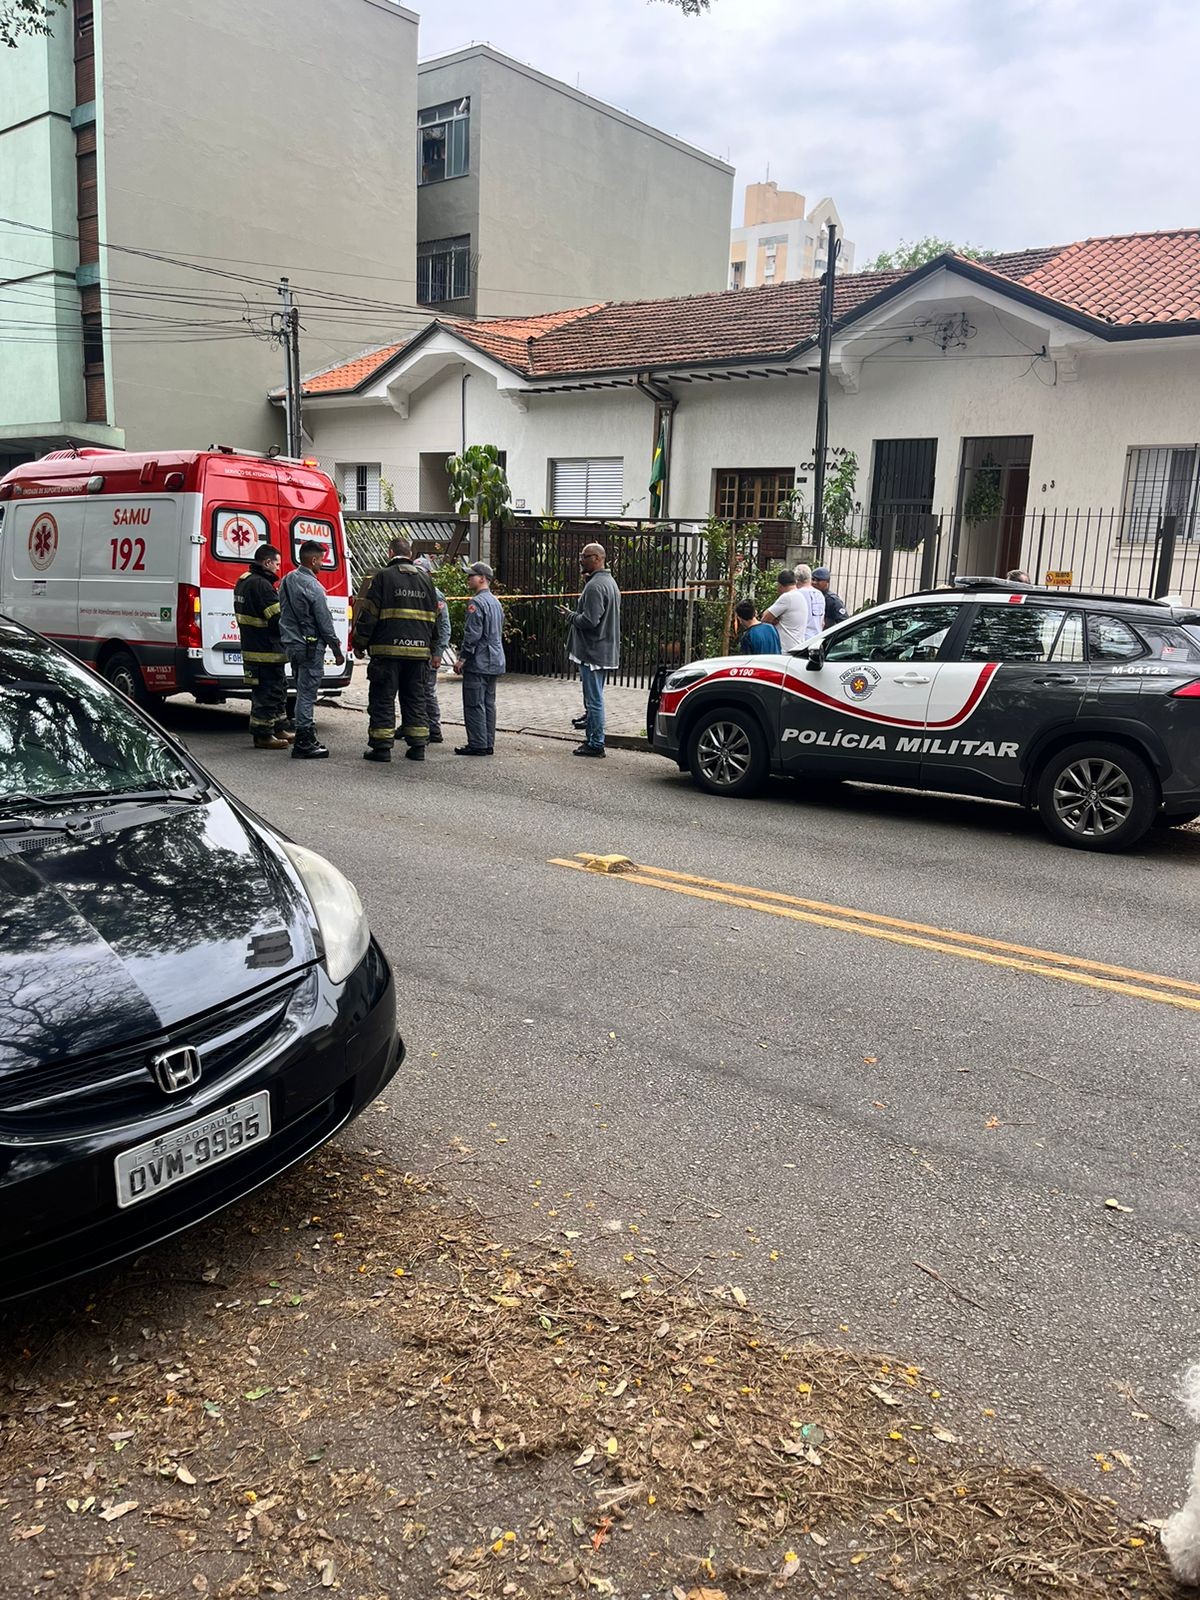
{"x":587,"y":488}
{"x":605,"y":488}
{"x":568,"y":488}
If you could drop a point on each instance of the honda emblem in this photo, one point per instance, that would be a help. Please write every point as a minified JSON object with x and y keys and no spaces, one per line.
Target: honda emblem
{"x":176,"y":1070}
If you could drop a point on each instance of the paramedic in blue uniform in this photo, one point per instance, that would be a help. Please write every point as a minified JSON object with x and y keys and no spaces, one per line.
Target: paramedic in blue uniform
{"x":306,"y":628}
{"x":482,"y":656}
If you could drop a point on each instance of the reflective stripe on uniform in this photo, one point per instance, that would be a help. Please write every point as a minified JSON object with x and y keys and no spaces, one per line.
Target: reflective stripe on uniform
{"x":408,"y":614}
{"x":264,"y":722}
{"x":244,"y":621}
{"x":403,"y":652}
{"x":265,"y":658}
{"x":410,"y":730}
{"x":382,"y":733}
{"x":271,"y":611}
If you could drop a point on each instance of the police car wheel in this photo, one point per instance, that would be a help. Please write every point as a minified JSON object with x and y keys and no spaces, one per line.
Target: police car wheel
{"x":727,"y":753}
{"x":123,"y":672}
{"x":1097,"y":797}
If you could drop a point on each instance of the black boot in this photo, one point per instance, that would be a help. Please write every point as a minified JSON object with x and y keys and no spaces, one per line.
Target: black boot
{"x":415,"y":752}
{"x":310,"y":749}
{"x":378,"y":752}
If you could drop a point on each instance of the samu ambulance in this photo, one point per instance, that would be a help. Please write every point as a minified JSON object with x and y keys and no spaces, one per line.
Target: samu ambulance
{"x":130,"y":560}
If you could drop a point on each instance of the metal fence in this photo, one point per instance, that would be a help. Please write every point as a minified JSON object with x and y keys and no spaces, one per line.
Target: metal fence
{"x":1108,"y":550}
{"x":368,"y":532}
{"x":672,"y":573}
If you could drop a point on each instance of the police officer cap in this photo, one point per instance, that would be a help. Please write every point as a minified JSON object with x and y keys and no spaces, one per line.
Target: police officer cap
{"x":481,"y":570}
{"x":820,"y":574}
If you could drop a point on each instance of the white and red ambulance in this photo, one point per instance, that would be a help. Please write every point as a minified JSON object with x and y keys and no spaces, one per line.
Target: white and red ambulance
{"x":130,"y":560}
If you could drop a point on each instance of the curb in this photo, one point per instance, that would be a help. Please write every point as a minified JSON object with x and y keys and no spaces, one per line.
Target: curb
{"x":614,"y":741}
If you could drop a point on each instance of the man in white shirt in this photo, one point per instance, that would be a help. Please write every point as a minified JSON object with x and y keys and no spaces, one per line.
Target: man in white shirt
{"x":813,"y":598}
{"x":790,"y":612}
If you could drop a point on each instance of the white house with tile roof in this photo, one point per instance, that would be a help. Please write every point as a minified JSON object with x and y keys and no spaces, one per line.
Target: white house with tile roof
{"x":1067,"y":378}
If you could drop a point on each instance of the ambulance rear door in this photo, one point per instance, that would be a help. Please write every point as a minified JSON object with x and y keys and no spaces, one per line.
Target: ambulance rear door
{"x":240,"y":511}
{"x":309,"y":509}
{"x":42,"y":542}
{"x":129,"y":580}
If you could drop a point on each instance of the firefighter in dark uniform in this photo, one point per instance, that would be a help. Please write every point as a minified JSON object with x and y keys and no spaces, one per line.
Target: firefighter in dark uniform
{"x":256,"y":606}
{"x":395,"y":623}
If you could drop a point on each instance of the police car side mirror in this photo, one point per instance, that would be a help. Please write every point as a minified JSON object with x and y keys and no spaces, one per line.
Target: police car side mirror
{"x":816,"y":659}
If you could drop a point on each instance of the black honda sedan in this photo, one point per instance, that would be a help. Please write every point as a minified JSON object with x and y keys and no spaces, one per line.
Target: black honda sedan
{"x":189,"y":1003}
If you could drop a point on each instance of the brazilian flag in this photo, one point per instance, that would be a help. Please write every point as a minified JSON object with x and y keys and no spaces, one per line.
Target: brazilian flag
{"x":658,"y":471}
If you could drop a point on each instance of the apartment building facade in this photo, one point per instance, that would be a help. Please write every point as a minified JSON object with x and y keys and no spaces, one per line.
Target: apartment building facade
{"x":781,"y":241}
{"x":533,"y":196}
{"x":166,"y":164}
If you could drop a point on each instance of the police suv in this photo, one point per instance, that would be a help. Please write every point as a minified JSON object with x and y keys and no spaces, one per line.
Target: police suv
{"x":1085,"y":707}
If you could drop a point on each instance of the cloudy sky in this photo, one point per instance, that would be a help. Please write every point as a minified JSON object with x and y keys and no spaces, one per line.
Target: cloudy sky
{"x":995,"y":122}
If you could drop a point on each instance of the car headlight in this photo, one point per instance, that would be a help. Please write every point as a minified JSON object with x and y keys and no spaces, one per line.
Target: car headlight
{"x":686,"y":675}
{"x":345,"y":933}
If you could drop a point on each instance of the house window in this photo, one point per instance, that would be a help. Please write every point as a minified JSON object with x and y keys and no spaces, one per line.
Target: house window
{"x":443,"y":270}
{"x":902,"y":487}
{"x":1161,"y":481}
{"x":360,"y":486}
{"x":444,"y":140}
{"x":587,"y":488}
{"x":737,"y":274}
{"x":760,"y":496}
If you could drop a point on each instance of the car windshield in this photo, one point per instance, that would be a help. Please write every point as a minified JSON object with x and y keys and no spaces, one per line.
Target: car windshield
{"x":63,"y":733}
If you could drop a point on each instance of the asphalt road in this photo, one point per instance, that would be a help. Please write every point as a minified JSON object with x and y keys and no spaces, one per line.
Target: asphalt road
{"x":884,"y":1145}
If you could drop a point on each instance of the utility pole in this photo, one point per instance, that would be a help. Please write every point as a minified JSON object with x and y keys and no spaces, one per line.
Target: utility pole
{"x":822,"y":444}
{"x":289,"y":337}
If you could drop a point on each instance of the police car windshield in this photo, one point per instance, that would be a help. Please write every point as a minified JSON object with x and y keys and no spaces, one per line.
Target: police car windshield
{"x":65,"y":736}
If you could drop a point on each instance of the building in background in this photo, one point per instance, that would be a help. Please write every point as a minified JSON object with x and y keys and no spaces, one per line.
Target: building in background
{"x":779,"y":242}
{"x":241,"y":141}
{"x":533,"y":197}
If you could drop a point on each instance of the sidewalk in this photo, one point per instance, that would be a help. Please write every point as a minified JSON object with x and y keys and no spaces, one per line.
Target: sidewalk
{"x":540,"y":706}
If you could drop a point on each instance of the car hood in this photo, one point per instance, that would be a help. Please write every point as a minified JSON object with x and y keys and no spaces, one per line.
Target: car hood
{"x":164,"y":913}
{"x":711,"y":664}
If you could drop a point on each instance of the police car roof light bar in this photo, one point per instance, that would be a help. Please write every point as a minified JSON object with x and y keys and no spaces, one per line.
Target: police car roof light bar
{"x":1003,"y":586}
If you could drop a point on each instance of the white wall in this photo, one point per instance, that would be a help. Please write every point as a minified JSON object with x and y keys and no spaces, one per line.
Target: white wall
{"x":1082,"y":429}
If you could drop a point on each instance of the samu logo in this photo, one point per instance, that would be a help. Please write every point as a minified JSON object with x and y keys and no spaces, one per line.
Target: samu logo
{"x":860,"y":682}
{"x":43,"y":542}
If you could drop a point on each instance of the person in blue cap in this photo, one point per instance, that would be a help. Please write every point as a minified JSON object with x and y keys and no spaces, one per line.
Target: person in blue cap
{"x":835,"y":610}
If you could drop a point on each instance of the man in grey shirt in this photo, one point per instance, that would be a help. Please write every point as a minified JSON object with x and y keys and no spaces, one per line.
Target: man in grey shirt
{"x":482,"y":662}
{"x":594,"y":641}
{"x":306,"y":627}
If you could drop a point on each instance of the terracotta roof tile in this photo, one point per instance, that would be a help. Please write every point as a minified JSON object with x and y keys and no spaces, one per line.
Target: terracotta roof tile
{"x":336,"y":380}
{"x":1127,"y":280}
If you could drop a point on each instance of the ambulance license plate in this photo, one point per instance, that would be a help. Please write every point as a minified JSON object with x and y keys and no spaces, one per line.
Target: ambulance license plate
{"x":233,"y":658}
{"x":150,"y":1168}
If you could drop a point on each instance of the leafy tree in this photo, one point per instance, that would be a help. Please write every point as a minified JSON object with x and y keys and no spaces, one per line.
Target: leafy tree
{"x":690,"y":8}
{"x":19,"y":18}
{"x":478,"y":486}
{"x":916,"y":252}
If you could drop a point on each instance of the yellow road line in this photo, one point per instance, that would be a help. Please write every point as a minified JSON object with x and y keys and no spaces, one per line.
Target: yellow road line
{"x":769,"y":904}
{"x":974,"y":939}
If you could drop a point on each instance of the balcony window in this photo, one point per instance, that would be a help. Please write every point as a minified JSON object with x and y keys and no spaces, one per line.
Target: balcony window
{"x":444,"y":141}
{"x":443,"y":271}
